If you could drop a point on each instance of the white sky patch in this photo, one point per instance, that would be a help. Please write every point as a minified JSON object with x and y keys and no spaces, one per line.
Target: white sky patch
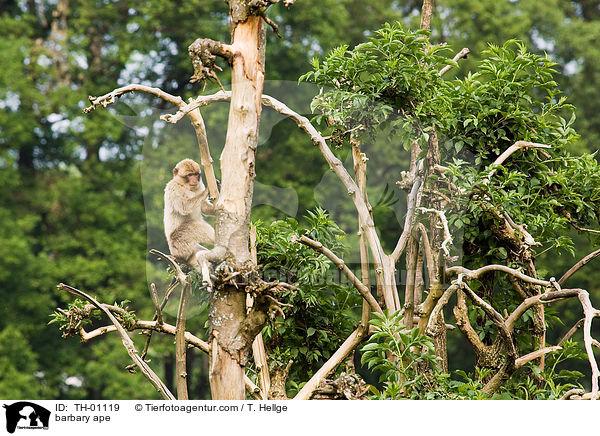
{"x":541,"y":43}
{"x":74,"y":381}
{"x":11,"y":101}
{"x":572,"y":67}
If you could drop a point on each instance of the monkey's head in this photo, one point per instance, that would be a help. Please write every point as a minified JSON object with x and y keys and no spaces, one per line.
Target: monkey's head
{"x":187,"y":173}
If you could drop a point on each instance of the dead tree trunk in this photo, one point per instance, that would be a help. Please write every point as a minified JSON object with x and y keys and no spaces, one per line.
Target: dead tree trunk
{"x":232,"y":329}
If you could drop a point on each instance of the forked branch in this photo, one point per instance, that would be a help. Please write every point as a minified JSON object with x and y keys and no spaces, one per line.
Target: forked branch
{"x":127,"y":343}
{"x":194,"y":114}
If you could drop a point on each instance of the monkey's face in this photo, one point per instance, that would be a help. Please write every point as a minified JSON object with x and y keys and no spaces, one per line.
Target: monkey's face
{"x":188,"y":173}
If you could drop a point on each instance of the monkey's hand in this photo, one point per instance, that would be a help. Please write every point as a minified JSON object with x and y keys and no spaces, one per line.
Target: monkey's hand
{"x":207,"y":207}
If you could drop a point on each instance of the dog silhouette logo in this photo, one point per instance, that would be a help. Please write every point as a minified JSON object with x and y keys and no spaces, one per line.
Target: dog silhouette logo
{"x":26,"y":415}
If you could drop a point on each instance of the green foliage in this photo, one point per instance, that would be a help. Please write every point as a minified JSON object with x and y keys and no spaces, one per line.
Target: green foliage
{"x":19,"y":367}
{"x":550,"y":384}
{"x":409,"y":369}
{"x":323,"y":309}
{"x":512,"y":98}
{"x":405,"y":359}
{"x":392,"y":79}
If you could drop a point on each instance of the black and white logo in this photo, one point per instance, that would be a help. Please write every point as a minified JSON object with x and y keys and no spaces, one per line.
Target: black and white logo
{"x":26,"y":415}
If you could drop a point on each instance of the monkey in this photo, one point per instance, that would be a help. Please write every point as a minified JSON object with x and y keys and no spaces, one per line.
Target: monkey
{"x":186,"y":203}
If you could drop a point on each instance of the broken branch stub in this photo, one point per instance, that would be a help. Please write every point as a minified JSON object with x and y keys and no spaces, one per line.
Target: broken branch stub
{"x":204,"y":52}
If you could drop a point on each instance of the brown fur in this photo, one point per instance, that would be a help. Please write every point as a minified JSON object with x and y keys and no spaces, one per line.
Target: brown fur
{"x":186,"y":199}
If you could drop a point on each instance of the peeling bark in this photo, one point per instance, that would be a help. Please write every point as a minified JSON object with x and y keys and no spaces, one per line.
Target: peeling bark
{"x":233,"y":330}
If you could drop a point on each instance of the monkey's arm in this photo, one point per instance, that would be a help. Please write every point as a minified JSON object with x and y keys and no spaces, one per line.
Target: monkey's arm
{"x":185,"y":204}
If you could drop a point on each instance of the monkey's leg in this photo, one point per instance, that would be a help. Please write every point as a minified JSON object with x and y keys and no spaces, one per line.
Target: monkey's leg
{"x":201,"y":264}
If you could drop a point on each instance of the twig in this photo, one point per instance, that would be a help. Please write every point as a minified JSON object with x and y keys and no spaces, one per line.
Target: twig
{"x":571,"y":331}
{"x":461,"y":54}
{"x":364,"y":291}
{"x":127,"y":343}
{"x":258,"y":345}
{"x":360,"y":172}
{"x":262,"y":366}
{"x":178,"y":272}
{"x":583,"y":229}
{"x":159,"y":317}
{"x":203,"y":100}
{"x":577,"y":266}
{"x":158,"y":313}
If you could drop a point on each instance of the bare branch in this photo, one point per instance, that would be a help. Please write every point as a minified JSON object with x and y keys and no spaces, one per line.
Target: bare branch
{"x":382,"y":262}
{"x":426,"y":12}
{"x":414,"y":199}
{"x":577,"y":266}
{"x":364,"y":291}
{"x":546,"y":297}
{"x":583,"y":229}
{"x":159,"y":317}
{"x":338,"y":357}
{"x":181,"y":344}
{"x":204,"y":52}
{"x":444,"y":221}
{"x":171,"y":330}
{"x":570,"y":392}
{"x":205,"y":157}
{"x":499,"y":321}
{"x":442,"y":301}
{"x":469,"y":275}
{"x":461,"y":54}
{"x":510,"y":150}
{"x":535,"y":355}
{"x":571,"y":331}
{"x":106,"y":99}
{"x":203,"y":100}
{"x":428,"y":252}
{"x":127,"y":343}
